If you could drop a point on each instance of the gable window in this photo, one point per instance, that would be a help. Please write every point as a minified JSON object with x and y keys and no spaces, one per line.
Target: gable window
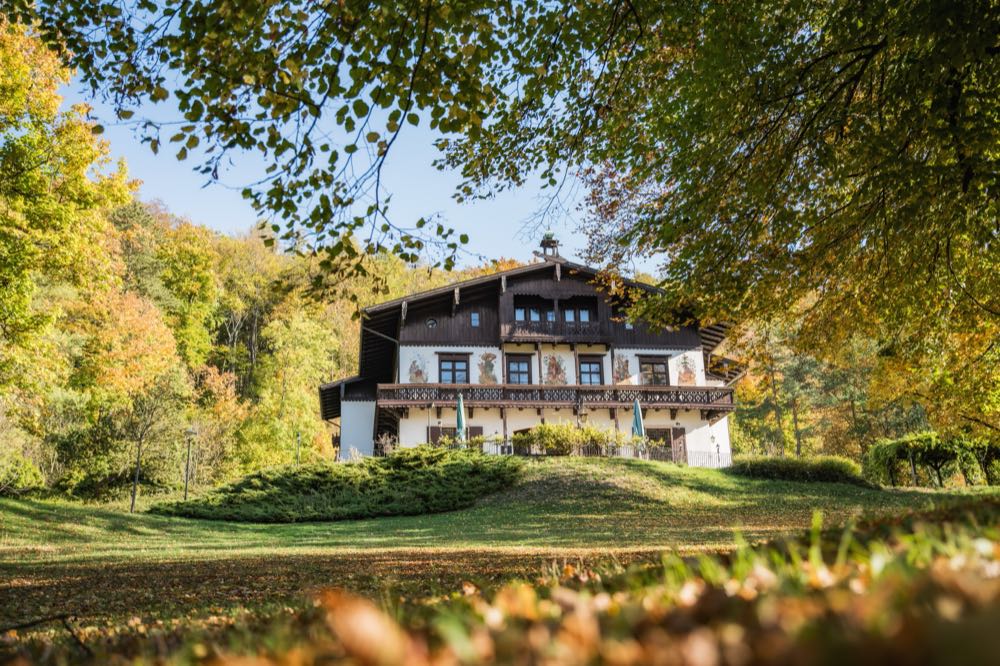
{"x":519,"y":314}
{"x":534,"y":314}
{"x":475,"y":318}
{"x":584,"y":315}
{"x":550,"y":315}
{"x":519,"y":369}
{"x":653,"y":371}
{"x":591,"y":371}
{"x":569,"y":315}
{"x":453,"y":369}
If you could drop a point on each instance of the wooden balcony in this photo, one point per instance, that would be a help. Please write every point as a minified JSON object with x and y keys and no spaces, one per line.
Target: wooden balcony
{"x":549,"y":331}
{"x":710,"y":398}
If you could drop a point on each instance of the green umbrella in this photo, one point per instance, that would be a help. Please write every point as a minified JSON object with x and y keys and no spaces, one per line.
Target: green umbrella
{"x":460,"y":425}
{"x":638,"y":429}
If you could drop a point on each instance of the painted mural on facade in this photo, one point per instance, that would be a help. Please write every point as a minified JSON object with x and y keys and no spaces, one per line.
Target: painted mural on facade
{"x":622,"y":374}
{"x":555,"y":370}
{"x":418,"y":371}
{"x":487,"y":368}
{"x":686,"y":372}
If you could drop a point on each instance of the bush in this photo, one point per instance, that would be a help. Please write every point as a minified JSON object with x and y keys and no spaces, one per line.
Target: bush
{"x":562,"y":439}
{"x":18,"y":474}
{"x":895,"y":461}
{"x":826,"y":469}
{"x":412,"y":481}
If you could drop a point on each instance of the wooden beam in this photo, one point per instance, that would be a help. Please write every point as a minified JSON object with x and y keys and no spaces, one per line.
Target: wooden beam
{"x":558,"y":272}
{"x":576,"y":362}
{"x":503,"y":284}
{"x":403,"y":312}
{"x":538,"y":350}
{"x":673,"y":414}
{"x":454,"y":305}
{"x":503,"y":415}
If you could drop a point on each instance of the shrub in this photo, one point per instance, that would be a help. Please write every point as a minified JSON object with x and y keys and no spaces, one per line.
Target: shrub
{"x":412,"y":481}
{"x":826,"y":469}
{"x":893,"y":461}
{"x":562,"y":439}
{"x":18,"y":474}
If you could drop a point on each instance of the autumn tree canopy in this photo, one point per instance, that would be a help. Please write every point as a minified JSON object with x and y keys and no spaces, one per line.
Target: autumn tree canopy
{"x":772,"y":154}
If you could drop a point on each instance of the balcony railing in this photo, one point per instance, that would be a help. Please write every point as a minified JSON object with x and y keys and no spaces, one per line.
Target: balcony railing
{"x":569,"y":331}
{"x":535,"y":395}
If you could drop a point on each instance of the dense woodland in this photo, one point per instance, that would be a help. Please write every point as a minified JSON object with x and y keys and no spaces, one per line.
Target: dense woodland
{"x":126,"y":331}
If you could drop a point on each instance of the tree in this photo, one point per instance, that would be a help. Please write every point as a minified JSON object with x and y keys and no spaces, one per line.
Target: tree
{"x":188,"y":260}
{"x":52,"y":192}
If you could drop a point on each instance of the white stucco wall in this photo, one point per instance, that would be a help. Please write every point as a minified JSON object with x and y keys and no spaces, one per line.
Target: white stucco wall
{"x":676,"y":357}
{"x":413,"y":357}
{"x":357,"y":428}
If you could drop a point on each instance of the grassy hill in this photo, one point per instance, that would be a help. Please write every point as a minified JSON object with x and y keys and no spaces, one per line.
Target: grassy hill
{"x":100,"y":562}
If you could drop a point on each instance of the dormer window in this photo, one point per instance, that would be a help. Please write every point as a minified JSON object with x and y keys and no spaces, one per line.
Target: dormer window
{"x":474,"y":318}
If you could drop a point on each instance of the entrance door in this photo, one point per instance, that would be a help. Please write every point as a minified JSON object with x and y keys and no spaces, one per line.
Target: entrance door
{"x":678,"y":445}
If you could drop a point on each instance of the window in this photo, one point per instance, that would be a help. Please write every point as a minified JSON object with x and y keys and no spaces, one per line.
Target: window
{"x":519,"y":314}
{"x":569,"y":315}
{"x":550,"y":315}
{"x":475,"y":319}
{"x":453,"y":370}
{"x":534,"y":314}
{"x":431,"y":322}
{"x":591,"y":371}
{"x":435,"y":433}
{"x":584,"y":315}
{"x":518,"y":369}
{"x":654,"y":371}
{"x":628,"y":326}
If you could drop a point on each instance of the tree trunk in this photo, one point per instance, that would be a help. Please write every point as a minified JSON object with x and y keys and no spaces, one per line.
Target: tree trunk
{"x":937,"y":470}
{"x":795,"y":425}
{"x":913,"y":469}
{"x":777,"y":409}
{"x":135,"y":479}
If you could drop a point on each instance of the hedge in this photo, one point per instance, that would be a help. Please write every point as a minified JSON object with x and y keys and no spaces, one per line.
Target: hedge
{"x":825,"y":469}
{"x":563,"y":439}
{"x":930,"y":455}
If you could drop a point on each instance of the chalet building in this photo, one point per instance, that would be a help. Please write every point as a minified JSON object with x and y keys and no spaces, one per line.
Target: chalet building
{"x":536,"y":344}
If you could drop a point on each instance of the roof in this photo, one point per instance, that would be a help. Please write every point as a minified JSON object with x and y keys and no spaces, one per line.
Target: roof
{"x":711,"y":336}
{"x":492,"y":277}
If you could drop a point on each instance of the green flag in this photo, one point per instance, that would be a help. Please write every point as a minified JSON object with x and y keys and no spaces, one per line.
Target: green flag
{"x":460,"y":424}
{"x":638,"y":429}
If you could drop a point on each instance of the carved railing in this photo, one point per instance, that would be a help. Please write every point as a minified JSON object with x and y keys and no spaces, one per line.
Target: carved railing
{"x":566,"y":330}
{"x":684,"y":397}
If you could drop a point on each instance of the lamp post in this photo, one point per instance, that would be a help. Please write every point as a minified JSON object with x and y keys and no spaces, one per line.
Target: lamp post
{"x":187,"y":464}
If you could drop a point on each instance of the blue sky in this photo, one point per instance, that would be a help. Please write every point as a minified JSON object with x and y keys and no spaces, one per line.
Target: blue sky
{"x":496,"y":227}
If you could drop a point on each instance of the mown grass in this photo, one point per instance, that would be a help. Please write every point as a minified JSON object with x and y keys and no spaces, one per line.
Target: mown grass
{"x":105,"y":565}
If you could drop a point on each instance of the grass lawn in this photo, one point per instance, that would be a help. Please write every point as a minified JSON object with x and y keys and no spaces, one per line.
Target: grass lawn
{"x":102,"y":564}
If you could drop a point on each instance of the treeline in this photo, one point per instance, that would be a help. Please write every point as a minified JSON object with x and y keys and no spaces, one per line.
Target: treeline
{"x":126,"y":331}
